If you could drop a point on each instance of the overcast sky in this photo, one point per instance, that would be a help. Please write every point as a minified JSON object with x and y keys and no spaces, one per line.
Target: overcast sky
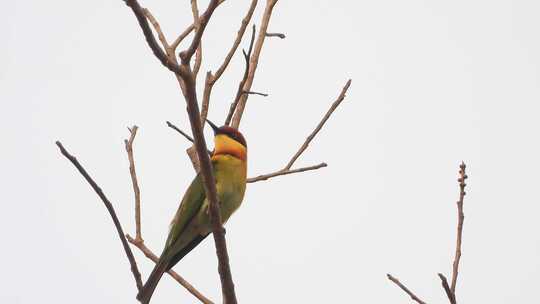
{"x":434,"y":83}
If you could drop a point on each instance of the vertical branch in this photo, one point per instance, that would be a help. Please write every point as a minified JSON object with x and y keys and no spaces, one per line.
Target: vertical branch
{"x":136,"y":190}
{"x":211,"y":193}
{"x":110,"y":208}
{"x":210,"y":80}
{"x":198,"y":54}
{"x":254,"y":61}
{"x":461,"y":217}
{"x":239,"y":92}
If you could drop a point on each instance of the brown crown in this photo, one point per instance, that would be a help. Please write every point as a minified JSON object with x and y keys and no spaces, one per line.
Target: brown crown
{"x":232,"y":133}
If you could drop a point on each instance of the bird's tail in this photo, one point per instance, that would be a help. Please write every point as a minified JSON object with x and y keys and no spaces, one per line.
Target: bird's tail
{"x":148,"y":289}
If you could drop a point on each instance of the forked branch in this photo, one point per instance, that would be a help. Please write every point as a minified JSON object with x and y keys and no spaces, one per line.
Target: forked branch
{"x":287,"y":169}
{"x":138,"y":240}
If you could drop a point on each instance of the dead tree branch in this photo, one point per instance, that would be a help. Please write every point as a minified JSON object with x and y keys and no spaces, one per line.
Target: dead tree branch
{"x":254,"y":61}
{"x":138,"y":240}
{"x":136,"y":190}
{"x":449,"y":293}
{"x":110,"y":208}
{"x":279,"y":35}
{"x":186,"y":136}
{"x":239,"y":91}
{"x":284,"y":172}
{"x":400,"y":285}
{"x":461,"y":218}
{"x":255,"y":93}
{"x":211,"y":79}
{"x":198,"y":54}
{"x":178,"y":278}
{"x":287,"y":169}
{"x":187,"y":82}
{"x":320,"y":125}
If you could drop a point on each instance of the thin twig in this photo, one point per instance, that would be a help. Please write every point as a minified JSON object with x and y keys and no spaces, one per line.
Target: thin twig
{"x":110,"y":208}
{"x":211,"y":79}
{"x":178,"y":278}
{"x":279,"y":35}
{"x":239,"y":91}
{"x":198,"y":54}
{"x":152,"y":42}
{"x":136,"y":190}
{"x":170,"y":125}
{"x":182,"y":36}
{"x":138,"y":241}
{"x":320,"y":125}
{"x":200,"y":27}
{"x":287,"y":169}
{"x":255,"y":93}
{"x":461,"y":218}
{"x":444,"y":282}
{"x":185,"y":33}
{"x":284,"y":172}
{"x":400,"y":285}
{"x":239,"y":35}
{"x":254,"y":61}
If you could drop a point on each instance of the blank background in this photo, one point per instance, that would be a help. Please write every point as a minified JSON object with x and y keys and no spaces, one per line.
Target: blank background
{"x":434,"y":83}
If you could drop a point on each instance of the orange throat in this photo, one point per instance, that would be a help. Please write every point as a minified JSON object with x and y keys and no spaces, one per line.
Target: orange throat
{"x":225,"y":145}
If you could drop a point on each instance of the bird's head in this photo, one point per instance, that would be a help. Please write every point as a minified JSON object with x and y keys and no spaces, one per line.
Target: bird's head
{"x":228,"y":140}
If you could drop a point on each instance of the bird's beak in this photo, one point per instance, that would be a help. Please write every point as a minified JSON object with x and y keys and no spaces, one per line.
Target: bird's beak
{"x":214,"y":127}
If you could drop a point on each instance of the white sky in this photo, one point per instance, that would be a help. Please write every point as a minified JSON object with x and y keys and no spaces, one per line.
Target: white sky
{"x":434,"y":83}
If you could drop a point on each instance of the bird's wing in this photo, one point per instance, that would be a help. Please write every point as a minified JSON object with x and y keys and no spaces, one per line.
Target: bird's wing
{"x":191,"y":204}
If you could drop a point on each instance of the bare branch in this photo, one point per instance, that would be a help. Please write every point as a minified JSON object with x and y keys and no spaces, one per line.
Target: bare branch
{"x":400,"y":285}
{"x":136,"y":190}
{"x":200,"y":27}
{"x":227,"y":285}
{"x":151,"y":40}
{"x":287,"y":169}
{"x":158,"y":30}
{"x":449,"y":293}
{"x":240,"y":34}
{"x":182,"y":36}
{"x":279,"y":35}
{"x":198,"y":54}
{"x":239,"y":110}
{"x":284,"y":172}
{"x":110,"y":208}
{"x":186,"y":32}
{"x":255,"y":93}
{"x":239,"y":91}
{"x":170,"y":125}
{"x":211,"y":79}
{"x":461,"y":218}
{"x":178,"y":278}
{"x":320,"y":125}
{"x":138,"y":241}
{"x":208,"y":85}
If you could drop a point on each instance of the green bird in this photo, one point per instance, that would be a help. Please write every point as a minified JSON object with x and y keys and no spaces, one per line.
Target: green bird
{"x":191,"y":223}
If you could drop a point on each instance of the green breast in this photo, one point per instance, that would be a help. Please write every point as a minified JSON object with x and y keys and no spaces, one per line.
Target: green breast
{"x":230,"y":173}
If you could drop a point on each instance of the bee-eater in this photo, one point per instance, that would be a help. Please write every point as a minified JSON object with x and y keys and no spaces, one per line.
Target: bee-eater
{"x":191,"y":223}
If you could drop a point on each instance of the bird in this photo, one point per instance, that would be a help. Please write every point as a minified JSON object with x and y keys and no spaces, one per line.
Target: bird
{"x":191,"y":223}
